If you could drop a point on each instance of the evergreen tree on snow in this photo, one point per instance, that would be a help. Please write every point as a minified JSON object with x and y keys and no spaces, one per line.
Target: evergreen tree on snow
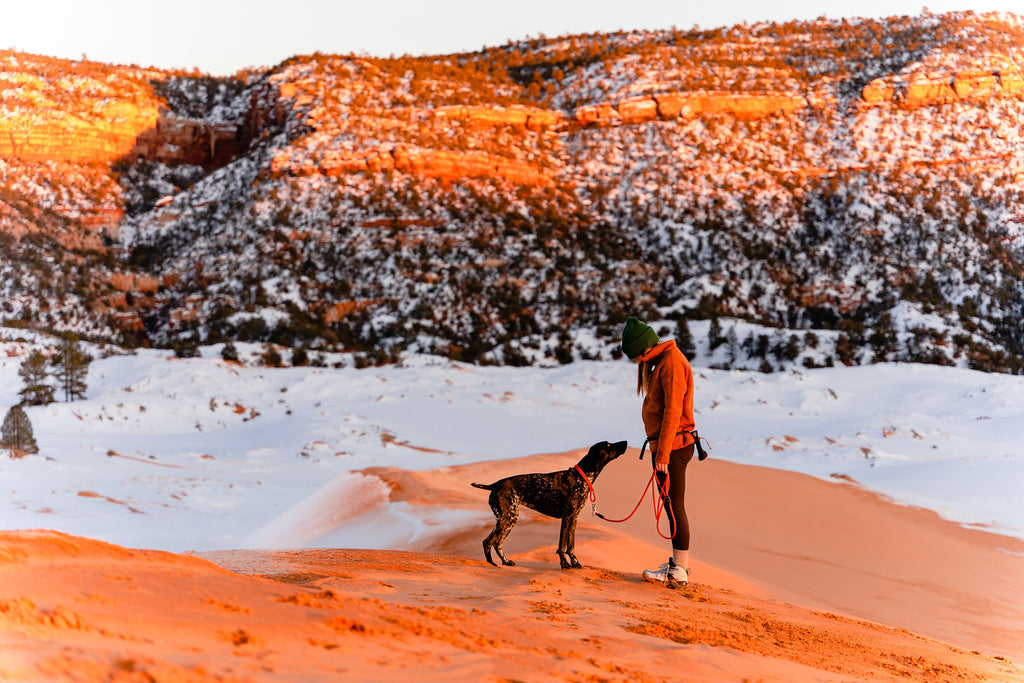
{"x":37,"y":390}
{"x":229,"y":352}
{"x":16,"y":434}
{"x":71,"y":366}
{"x":684,"y":340}
{"x":715,"y":336}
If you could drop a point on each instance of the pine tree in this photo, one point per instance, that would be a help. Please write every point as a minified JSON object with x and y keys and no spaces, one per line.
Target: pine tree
{"x":33,"y":372}
{"x":71,"y":366}
{"x":715,"y":336}
{"x":271,"y":357}
{"x":684,"y":340}
{"x":16,"y":433}
{"x":229,"y":352}
{"x":732,"y":345}
{"x":186,"y":348}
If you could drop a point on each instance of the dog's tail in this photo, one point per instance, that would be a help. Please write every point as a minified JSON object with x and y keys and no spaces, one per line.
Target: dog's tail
{"x":486,"y":487}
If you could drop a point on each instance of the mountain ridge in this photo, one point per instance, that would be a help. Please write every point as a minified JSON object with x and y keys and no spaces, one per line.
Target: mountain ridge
{"x":862,"y":178}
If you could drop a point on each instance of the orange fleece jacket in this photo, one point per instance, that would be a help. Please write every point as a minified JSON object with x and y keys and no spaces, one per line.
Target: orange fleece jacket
{"x":668,"y":405}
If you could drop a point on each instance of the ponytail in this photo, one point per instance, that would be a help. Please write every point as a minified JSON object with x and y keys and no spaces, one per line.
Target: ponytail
{"x":644,"y":370}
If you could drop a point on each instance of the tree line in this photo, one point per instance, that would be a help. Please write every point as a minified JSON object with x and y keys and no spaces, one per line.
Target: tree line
{"x":43,"y":377}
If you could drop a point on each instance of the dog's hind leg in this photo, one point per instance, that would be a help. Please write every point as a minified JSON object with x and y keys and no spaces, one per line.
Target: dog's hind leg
{"x":506,"y":512}
{"x":487,"y":545}
{"x":567,"y":544}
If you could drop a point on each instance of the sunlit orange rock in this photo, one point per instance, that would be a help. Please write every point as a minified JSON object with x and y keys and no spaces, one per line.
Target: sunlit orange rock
{"x":596,"y":114}
{"x":975,"y":84}
{"x":638,"y":109}
{"x":133,"y":282}
{"x":922,"y":90}
{"x":1011,"y":81}
{"x":128,"y":321}
{"x":341,"y":310}
{"x":50,"y":134}
{"x":424,"y":162}
{"x":531,"y":118}
{"x":751,"y":106}
{"x":672,"y":105}
{"x":878,"y":91}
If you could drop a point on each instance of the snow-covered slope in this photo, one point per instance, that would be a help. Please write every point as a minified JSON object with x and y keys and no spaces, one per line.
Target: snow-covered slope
{"x":861,"y":178}
{"x":203,"y":454}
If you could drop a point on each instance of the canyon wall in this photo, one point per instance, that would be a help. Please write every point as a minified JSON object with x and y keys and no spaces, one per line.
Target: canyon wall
{"x":120,"y":130}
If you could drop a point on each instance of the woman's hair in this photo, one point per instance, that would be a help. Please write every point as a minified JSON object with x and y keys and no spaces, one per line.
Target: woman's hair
{"x":644,"y":370}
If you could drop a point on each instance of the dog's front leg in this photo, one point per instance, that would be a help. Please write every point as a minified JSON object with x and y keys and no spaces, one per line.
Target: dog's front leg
{"x":567,"y":544}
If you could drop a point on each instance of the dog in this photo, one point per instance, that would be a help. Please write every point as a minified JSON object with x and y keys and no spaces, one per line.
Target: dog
{"x":555,"y":494}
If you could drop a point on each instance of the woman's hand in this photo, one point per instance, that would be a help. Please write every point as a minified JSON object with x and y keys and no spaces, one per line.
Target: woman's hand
{"x":661,"y":466}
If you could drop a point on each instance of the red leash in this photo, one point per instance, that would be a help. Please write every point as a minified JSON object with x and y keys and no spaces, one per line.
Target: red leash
{"x":593,"y":495}
{"x":665,"y":503}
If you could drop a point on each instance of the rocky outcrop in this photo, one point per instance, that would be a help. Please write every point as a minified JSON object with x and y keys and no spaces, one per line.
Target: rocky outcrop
{"x":922,"y":90}
{"x":687,"y":104}
{"x":976,"y":84}
{"x":175,"y":140}
{"x":434,"y":163}
{"x":530,"y":118}
{"x":118,"y":130}
{"x":49,"y":134}
{"x":877,"y":92}
{"x":1012,"y":81}
{"x":337,"y":312}
{"x":133,"y":282}
{"x":97,"y":221}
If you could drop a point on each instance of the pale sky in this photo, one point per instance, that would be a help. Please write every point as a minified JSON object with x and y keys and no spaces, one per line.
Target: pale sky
{"x":220,"y":37}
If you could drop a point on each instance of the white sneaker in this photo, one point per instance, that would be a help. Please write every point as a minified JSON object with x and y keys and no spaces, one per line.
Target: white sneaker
{"x":669,"y":574}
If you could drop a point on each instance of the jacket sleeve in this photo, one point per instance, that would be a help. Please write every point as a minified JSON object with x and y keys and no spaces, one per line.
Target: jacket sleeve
{"x":673,"y":382}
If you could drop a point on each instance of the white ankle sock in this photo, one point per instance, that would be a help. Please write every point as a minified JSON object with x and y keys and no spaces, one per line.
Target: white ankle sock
{"x":681,"y":558}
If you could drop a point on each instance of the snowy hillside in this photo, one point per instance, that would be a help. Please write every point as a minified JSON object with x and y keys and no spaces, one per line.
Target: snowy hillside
{"x":858,"y":179}
{"x":203,"y":454}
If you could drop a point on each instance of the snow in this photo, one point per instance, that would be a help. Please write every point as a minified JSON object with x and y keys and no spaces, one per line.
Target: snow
{"x":201,"y":454}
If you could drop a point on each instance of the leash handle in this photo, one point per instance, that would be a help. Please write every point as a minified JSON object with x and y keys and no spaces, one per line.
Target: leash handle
{"x":701,"y":453}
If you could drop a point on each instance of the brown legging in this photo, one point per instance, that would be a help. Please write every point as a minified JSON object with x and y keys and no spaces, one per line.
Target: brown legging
{"x":677,"y":461}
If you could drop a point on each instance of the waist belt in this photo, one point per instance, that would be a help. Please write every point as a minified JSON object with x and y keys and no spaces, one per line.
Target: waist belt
{"x":701,"y":453}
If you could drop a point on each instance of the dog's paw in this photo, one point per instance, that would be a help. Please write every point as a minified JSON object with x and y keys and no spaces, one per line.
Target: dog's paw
{"x":508,"y":563}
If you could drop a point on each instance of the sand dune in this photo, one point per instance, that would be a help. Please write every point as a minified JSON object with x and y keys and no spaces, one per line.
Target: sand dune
{"x":794,"y":580}
{"x":775,"y":533}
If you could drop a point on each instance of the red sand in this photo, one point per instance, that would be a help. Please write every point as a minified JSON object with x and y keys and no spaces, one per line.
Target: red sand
{"x":795,"y":579}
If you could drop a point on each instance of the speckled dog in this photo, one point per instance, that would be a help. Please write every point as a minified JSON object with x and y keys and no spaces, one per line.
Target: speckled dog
{"x":555,"y":494}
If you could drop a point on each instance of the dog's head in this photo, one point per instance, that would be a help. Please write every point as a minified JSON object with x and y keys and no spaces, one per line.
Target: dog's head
{"x":600,"y":454}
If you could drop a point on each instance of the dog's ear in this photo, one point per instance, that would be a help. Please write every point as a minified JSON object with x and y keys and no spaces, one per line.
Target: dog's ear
{"x":593,"y":455}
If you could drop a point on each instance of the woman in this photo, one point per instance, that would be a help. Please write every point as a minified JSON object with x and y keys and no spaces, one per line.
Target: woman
{"x":665,"y":380}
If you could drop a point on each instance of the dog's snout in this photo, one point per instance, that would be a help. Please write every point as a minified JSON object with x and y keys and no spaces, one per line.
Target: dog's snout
{"x":619,"y":447}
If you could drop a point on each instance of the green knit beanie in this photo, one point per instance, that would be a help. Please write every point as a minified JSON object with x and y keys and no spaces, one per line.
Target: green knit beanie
{"x":637,"y":337}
